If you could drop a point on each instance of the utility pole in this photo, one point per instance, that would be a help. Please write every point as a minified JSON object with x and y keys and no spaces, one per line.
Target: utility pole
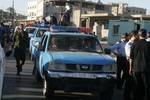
{"x":13,"y":13}
{"x":2,"y":15}
{"x":81,"y":1}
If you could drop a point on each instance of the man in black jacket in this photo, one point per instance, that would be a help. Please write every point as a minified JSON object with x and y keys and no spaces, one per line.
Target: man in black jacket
{"x":138,"y":66}
{"x":147,"y":72}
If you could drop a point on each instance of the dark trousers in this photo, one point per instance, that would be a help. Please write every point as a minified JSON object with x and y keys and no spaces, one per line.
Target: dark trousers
{"x":139,"y":86}
{"x":128,"y":84}
{"x":147,"y":80}
{"x":20,"y":56}
{"x":121,"y":67}
{"x":129,"y":88}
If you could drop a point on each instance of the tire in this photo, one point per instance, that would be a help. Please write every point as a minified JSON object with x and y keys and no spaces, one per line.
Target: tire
{"x":47,"y":92}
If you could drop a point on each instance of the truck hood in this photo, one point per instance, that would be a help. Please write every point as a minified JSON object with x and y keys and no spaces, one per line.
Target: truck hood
{"x":82,"y":58}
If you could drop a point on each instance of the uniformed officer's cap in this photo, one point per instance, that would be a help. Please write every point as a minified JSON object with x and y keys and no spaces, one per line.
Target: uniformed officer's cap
{"x":142,"y":32}
{"x":125,"y":35}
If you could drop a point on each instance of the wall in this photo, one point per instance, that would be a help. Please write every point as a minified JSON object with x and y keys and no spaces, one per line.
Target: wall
{"x":146,"y":25}
{"x":125,"y":26}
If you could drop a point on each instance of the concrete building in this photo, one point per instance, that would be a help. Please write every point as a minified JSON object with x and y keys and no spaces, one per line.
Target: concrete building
{"x":124,"y":9}
{"x":32,"y":10}
{"x":136,"y":11}
{"x":111,"y":11}
{"x":36,"y":9}
{"x":84,"y":12}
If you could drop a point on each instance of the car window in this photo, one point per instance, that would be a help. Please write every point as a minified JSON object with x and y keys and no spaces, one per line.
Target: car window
{"x":40,"y":32}
{"x":30,"y":30}
{"x":44,"y":41}
{"x":74,"y":43}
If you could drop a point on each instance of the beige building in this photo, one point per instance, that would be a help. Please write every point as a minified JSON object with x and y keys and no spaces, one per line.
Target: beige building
{"x":32,"y":10}
{"x":124,"y":9}
{"x":136,"y":11}
{"x":35,"y":9}
{"x":84,"y":13}
{"x":111,"y":11}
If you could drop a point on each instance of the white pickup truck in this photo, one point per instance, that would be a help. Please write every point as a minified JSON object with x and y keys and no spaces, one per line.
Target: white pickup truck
{"x":2,"y":68}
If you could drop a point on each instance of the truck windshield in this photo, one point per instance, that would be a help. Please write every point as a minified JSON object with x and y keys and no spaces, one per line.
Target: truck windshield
{"x":74,"y":43}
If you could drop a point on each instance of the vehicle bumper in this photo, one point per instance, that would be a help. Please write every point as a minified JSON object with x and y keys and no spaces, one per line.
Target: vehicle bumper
{"x":80,"y":82}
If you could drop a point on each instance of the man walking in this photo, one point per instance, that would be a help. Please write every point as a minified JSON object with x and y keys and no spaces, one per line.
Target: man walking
{"x":20,"y":44}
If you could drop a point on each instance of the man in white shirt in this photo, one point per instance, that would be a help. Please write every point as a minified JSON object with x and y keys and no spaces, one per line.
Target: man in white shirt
{"x":128,"y":90}
{"x":134,"y":37}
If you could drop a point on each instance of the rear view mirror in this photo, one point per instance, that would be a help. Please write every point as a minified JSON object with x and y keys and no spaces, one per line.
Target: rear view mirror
{"x":107,"y":51}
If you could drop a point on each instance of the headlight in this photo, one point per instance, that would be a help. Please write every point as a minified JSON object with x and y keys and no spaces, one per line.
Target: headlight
{"x":56,"y":66}
{"x":109,"y":68}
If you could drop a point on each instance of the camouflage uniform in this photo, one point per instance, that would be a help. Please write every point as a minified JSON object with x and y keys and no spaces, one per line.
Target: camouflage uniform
{"x":20,"y":44}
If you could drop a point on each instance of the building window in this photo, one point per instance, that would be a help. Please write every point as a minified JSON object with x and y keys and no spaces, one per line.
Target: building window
{"x":116,"y":29}
{"x":140,"y":12}
{"x":133,"y":11}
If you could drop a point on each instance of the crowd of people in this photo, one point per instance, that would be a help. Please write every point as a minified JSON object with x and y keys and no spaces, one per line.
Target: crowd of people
{"x":133,"y":65}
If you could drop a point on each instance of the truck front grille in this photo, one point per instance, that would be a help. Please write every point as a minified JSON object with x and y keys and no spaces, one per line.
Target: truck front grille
{"x":84,"y":68}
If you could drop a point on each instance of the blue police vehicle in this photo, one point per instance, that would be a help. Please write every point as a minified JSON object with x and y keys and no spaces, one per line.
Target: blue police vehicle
{"x":74,"y":62}
{"x":36,"y":37}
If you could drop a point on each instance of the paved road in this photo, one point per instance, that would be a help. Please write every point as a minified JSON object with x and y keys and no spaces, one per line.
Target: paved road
{"x":25,"y":87}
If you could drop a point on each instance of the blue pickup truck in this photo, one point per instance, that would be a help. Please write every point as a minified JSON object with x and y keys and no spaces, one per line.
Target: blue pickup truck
{"x":74,"y":62}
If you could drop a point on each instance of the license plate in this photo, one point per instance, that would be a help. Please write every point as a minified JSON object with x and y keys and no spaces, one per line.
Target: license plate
{"x":83,"y":75}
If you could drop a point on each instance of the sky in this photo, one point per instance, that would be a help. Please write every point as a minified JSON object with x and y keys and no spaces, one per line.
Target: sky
{"x":21,"y":5}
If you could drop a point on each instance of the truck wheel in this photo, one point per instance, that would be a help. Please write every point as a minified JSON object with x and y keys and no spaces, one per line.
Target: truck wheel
{"x":47,"y":92}
{"x":36,"y":72}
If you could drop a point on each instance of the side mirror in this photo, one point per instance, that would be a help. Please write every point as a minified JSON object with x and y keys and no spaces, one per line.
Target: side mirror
{"x":36,"y":44}
{"x":31,"y":35}
{"x":107,"y":51}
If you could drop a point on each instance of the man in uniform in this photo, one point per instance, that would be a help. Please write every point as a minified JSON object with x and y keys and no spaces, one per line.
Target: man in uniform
{"x":119,"y":50}
{"x":20,"y":44}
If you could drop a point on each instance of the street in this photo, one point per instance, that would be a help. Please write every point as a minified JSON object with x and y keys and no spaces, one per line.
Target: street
{"x":25,"y":87}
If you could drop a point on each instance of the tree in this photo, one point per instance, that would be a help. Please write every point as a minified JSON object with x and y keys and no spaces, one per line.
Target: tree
{"x":12,"y":13}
